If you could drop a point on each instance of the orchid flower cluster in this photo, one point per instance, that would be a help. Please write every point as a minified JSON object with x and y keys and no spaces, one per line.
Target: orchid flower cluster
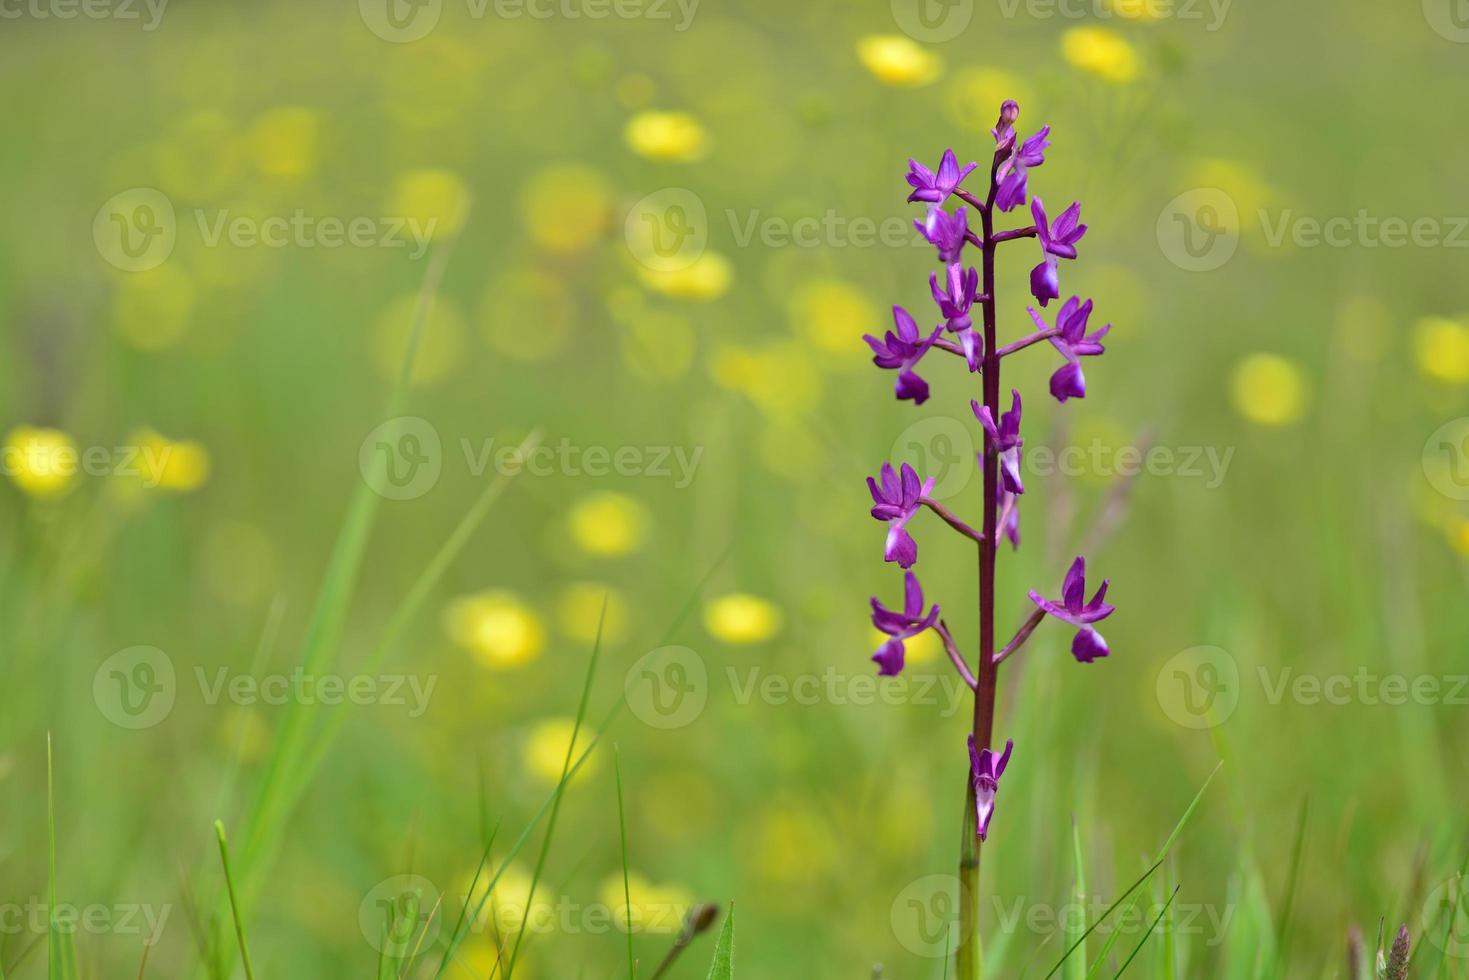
{"x":963,"y":294}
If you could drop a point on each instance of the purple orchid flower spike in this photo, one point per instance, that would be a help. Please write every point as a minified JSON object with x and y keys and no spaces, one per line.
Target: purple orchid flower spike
{"x":1004,"y":440}
{"x":896,"y":500}
{"x":1088,"y":644}
{"x":985,"y":769}
{"x":901,"y":352}
{"x":954,"y":303}
{"x":1058,"y":241}
{"x":900,"y":626}
{"x":935,"y":188}
{"x":946,"y":232}
{"x":1012,"y":174}
{"x":1074,"y":343}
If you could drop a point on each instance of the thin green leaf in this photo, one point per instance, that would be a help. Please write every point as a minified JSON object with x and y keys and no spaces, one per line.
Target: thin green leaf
{"x":632,"y":964}
{"x":229,"y":884}
{"x":723,"y":966}
{"x":1138,"y":948}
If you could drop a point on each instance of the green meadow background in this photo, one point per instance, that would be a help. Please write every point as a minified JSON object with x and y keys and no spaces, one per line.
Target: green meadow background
{"x":1298,"y":540}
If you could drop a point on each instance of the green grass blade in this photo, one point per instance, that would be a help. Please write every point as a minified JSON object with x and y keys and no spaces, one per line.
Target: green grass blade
{"x":1144,"y":941}
{"x":263,"y":821}
{"x":1287,"y":909}
{"x":581,"y":715}
{"x":723,"y":966}
{"x":1162,"y":853}
{"x":632,"y":965}
{"x":1076,"y":968}
{"x":1162,"y":856}
{"x":229,"y":884}
{"x":60,"y":944}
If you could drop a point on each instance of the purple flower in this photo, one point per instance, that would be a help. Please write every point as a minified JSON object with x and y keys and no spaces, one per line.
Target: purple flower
{"x":1012,"y":173}
{"x":985,"y":769}
{"x":1074,"y":343}
{"x":1004,"y":129}
{"x":945,"y":231}
{"x":955,"y":304}
{"x":900,"y":626}
{"x":1004,"y":440}
{"x":1088,"y":644}
{"x":896,"y":500}
{"x":902,"y":352}
{"x":1008,"y":505}
{"x":936,"y":188}
{"x":1057,"y":242}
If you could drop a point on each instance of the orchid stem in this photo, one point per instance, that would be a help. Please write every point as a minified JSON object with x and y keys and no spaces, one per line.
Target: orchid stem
{"x":1021,"y":635}
{"x":950,"y":518}
{"x":1025,"y":342}
{"x":942,"y":629}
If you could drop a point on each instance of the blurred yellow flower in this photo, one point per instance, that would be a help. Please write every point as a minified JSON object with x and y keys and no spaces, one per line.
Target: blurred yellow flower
{"x":676,"y":137}
{"x":1269,"y":390}
{"x":283,"y":141}
{"x":833,"y":315}
{"x":740,"y":618}
{"x":42,"y":462}
{"x":1458,"y":534}
{"x":152,"y":310}
{"x":643,"y":906}
{"x":566,"y":208}
{"x":1100,"y":51}
{"x":507,"y":904}
{"x":898,"y":60}
{"x":520,"y":296}
{"x":579,"y":610}
{"x":793,"y":843}
{"x":436,"y":200}
{"x":168,"y":465}
{"x":707,"y":277}
{"x":238,"y":562}
{"x":608,"y":524}
{"x":1441,"y":347}
{"x":497,"y":627}
{"x":546,"y":746}
{"x":440,"y":343}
